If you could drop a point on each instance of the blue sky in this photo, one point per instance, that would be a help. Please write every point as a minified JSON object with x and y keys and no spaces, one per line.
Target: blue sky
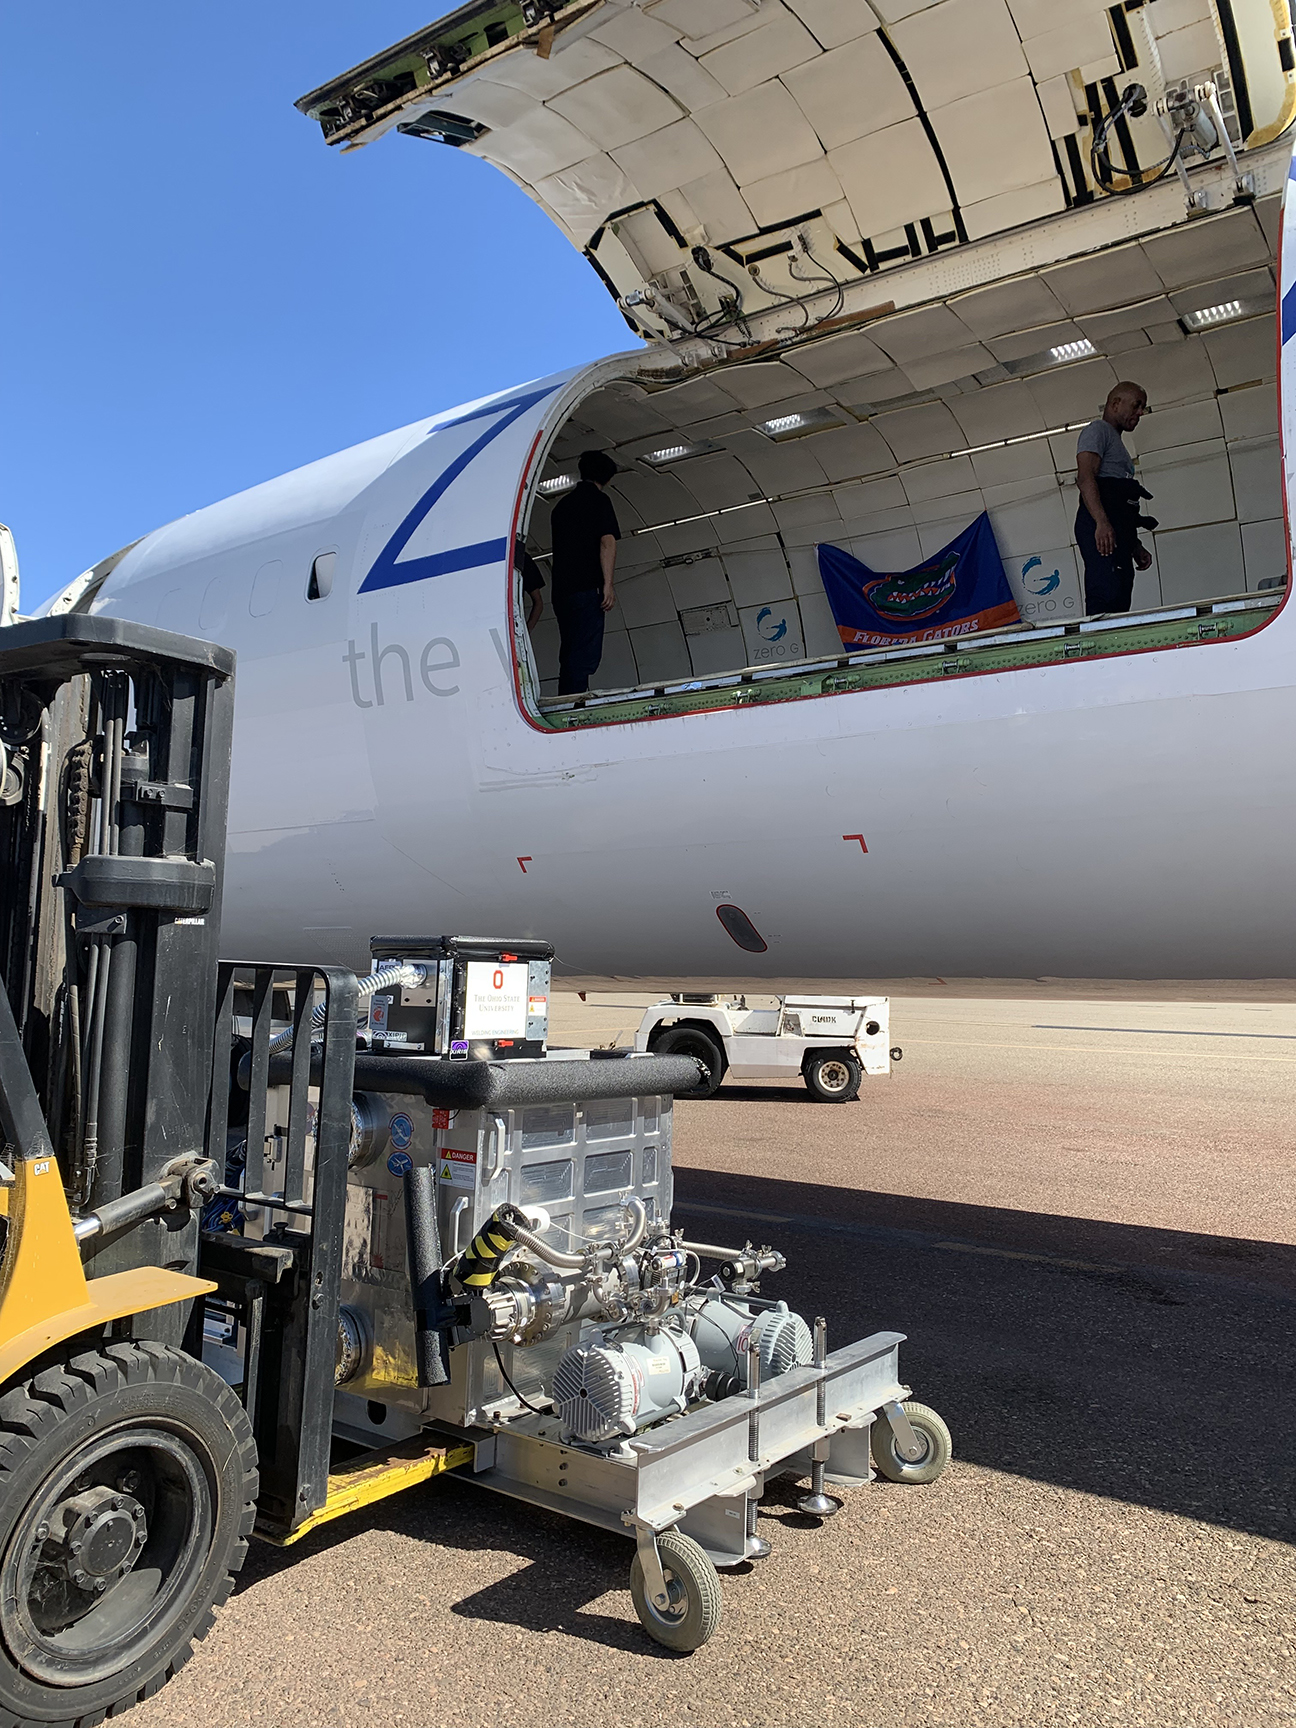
{"x":198,"y":294}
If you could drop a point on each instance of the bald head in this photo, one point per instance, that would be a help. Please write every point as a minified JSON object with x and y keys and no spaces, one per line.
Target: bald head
{"x":1126,"y":406}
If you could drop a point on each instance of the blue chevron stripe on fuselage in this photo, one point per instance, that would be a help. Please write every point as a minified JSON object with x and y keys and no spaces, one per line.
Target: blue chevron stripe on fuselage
{"x":385,"y":572}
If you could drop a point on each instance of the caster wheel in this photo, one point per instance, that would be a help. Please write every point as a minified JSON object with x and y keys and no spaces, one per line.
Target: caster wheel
{"x":930,"y":1429}
{"x":694,"y":1590}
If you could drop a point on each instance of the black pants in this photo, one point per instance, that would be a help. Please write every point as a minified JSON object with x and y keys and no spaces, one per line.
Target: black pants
{"x":580,"y":639}
{"x":1108,"y":582}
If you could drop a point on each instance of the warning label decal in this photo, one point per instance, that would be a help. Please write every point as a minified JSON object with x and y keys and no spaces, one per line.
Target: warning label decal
{"x":459,"y":1169}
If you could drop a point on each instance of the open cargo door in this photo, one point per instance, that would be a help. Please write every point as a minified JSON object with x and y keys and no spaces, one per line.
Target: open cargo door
{"x":726,"y":154}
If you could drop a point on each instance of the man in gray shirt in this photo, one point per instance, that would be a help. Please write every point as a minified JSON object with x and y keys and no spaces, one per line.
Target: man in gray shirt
{"x":1108,"y":520}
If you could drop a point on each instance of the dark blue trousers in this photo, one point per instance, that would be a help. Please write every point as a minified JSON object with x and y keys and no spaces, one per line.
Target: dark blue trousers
{"x":1108,"y":582}
{"x":580,"y":639}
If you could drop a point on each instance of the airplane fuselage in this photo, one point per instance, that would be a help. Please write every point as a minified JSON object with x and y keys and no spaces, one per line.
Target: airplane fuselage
{"x":1128,"y":815}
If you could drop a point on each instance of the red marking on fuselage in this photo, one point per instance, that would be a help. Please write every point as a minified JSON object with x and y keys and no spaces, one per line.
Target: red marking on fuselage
{"x":523,"y":862}
{"x":859,"y":837}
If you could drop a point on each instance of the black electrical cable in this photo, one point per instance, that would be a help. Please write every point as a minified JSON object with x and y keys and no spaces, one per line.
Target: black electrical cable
{"x":785,"y":299}
{"x":1133,"y":101}
{"x":1127,"y":191}
{"x":525,"y":1402}
{"x":823,"y":276}
{"x":702,"y":258}
{"x":709,"y":332}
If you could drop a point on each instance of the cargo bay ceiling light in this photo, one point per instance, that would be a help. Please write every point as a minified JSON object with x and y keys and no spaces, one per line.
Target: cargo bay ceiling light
{"x":1063,"y":354}
{"x":798,"y":425}
{"x":1073,"y":350}
{"x":679,"y":452}
{"x":1224,"y":312}
{"x":1221,"y":314}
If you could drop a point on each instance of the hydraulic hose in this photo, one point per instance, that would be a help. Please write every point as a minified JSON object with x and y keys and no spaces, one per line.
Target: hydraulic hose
{"x":399,"y":972}
{"x":424,"y":1247}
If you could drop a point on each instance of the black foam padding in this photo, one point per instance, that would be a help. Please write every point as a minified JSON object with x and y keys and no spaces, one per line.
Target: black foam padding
{"x":423,"y":1240}
{"x":460,"y":1085}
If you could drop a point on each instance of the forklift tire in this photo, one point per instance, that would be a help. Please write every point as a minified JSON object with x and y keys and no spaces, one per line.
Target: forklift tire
{"x":128,"y":1484}
{"x":834,"y":1077}
{"x":693,"y":1041}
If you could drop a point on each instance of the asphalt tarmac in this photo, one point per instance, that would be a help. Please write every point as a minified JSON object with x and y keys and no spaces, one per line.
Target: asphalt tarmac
{"x":1081,"y":1215}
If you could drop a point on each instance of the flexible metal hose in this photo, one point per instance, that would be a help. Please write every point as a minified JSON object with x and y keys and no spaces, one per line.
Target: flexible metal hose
{"x":573,"y":1262}
{"x":399,"y":972}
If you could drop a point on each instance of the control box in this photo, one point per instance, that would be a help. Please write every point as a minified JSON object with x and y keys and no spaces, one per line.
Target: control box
{"x":481,"y":998}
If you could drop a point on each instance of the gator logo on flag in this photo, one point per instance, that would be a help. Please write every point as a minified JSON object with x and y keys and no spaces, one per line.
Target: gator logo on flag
{"x":916,"y":594}
{"x":961,"y":590}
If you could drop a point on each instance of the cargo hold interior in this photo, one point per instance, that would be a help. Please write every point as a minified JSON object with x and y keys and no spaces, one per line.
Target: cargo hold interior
{"x":890,"y":438}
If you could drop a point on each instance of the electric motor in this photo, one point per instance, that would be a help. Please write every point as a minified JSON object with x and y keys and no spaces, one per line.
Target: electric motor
{"x":615,"y":1387}
{"x":368,"y":1130}
{"x":724,"y":1327}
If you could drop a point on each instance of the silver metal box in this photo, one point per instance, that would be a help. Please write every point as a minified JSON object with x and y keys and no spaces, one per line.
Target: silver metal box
{"x":579,"y":1162}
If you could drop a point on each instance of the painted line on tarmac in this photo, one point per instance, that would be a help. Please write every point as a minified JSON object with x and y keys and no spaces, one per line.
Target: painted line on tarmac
{"x":1089,"y":1052}
{"x":894,"y":1233}
{"x":1161,"y":1031}
{"x":1022,"y":1254}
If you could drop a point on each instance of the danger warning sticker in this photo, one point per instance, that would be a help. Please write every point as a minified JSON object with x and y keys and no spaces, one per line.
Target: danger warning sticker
{"x":459,"y":1169}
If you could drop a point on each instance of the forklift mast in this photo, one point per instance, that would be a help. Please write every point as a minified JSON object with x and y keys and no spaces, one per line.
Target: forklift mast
{"x":114,"y":772}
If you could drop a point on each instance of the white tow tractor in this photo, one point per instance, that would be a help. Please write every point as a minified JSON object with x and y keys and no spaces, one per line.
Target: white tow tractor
{"x":830,"y":1041}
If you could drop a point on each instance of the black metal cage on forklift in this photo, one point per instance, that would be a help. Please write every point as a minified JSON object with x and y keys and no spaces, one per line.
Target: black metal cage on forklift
{"x":281,"y":1292}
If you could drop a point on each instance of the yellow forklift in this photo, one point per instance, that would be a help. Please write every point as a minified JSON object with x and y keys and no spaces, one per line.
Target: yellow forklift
{"x":129,"y":1479}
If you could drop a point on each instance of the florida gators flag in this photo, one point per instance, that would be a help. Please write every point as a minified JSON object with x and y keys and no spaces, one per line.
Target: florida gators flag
{"x":961,"y":590}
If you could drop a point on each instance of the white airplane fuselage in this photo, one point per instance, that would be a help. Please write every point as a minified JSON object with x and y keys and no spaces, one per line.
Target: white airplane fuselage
{"x":1127,"y":816}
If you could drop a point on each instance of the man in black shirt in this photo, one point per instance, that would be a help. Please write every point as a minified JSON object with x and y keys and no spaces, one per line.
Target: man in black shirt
{"x":585,"y":532}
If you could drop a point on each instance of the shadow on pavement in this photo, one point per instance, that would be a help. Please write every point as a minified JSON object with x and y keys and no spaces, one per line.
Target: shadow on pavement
{"x":569,"y":1565}
{"x":1100,"y":1357}
{"x":1096,"y":1357}
{"x":1271,"y":1264}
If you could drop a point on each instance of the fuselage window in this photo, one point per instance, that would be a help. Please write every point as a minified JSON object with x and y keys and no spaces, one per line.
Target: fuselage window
{"x":738,"y":925}
{"x":320,"y":585}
